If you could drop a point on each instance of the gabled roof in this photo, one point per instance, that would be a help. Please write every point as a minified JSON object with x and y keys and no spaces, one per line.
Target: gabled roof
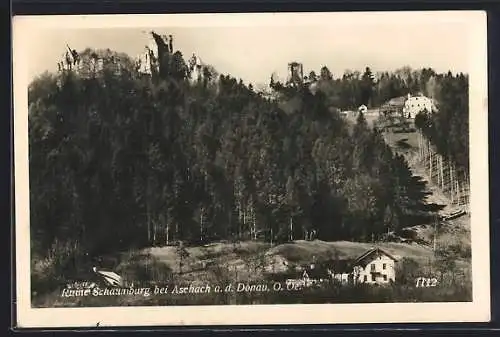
{"x":319,"y":270}
{"x":371,"y":252}
{"x":396,"y":101}
{"x":340,"y":266}
{"x":313,"y":273}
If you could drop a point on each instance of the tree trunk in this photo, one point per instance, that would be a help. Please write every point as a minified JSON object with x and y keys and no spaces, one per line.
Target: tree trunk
{"x":442,"y":175}
{"x":155,"y":226}
{"x":168,"y":232}
{"x":254,"y":223}
{"x":244,"y":218}
{"x":430,"y":165}
{"x":422,"y":146}
{"x":201,"y":223}
{"x":452,"y":183}
{"x":291,"y":228}
{"x":148,"y":220}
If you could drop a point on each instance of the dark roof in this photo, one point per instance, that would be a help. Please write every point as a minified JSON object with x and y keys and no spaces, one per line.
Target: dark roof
{"x":340,"y":266}
{"x":371,"y":252}
{"x":396,"y":101}
{"x":314,"y":273}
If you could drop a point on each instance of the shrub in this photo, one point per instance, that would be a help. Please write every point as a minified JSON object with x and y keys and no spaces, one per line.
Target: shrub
{"x":144,"y":270}
{"x":64,"y":262}
{"x":408,"y":270}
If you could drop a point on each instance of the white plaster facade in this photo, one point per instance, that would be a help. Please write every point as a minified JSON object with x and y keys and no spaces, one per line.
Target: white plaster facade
{"x":376,"y":268}
{"x":341,"y":277}
{"x":415,"y":104}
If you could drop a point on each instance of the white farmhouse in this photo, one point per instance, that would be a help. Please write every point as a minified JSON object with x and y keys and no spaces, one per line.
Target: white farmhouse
{"x":375,"y":266}
{"x":415,"y":104}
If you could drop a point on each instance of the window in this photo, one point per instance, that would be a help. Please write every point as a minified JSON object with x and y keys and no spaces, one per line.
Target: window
{"x":373,"y":278}
{"x":385,"y":277}
{"x":366,"y":278}
{"x":373,"y":266}
{"x":384,"y":266}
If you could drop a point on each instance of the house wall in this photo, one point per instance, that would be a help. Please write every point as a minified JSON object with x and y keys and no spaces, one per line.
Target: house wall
{"x":342,"y":278}
{"x":414,"y":105}
{"x":378,"y":262}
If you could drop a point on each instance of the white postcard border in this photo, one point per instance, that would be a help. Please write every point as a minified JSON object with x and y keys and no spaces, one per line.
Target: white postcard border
{"x":476,"y":311}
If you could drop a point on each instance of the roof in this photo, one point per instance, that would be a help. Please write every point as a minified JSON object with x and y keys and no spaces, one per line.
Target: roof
{"x":396,"y":101}
{"x":371,"y":252}
{"x":417,"y":98}
{"x":341,"y":266}
{"x":314,"y":273}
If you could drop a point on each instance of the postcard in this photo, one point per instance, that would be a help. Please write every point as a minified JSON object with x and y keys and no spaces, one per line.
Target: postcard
{"x":250,"y":169}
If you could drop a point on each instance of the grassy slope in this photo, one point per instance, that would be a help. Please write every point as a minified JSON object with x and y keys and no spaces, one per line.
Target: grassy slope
{"x":297,"y":252}
{"x":455,"y":231}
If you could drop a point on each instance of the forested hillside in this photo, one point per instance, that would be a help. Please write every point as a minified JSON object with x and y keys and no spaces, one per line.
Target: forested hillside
{"x":448,"y":129}
{"x":122,"y":161}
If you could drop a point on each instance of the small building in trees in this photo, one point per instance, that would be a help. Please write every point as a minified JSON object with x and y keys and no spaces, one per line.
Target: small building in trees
{"x":341,"y":271}
{"x":393,"y":107}
{"x":308,"y":275}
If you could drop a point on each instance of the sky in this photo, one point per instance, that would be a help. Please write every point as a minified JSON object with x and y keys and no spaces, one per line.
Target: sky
{"x":255,"y":51}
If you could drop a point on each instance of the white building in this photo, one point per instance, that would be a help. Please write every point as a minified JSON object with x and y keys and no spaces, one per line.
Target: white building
{"x":415,"y":104}
{"x":375,"y":267}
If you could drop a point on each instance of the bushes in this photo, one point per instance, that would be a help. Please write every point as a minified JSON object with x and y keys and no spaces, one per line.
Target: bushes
{"x":407,"y":271}
{"x":460,"y":250}
{"x":64,"y":262}
{"x":144,"y":270}
{"x":333,"y":293}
